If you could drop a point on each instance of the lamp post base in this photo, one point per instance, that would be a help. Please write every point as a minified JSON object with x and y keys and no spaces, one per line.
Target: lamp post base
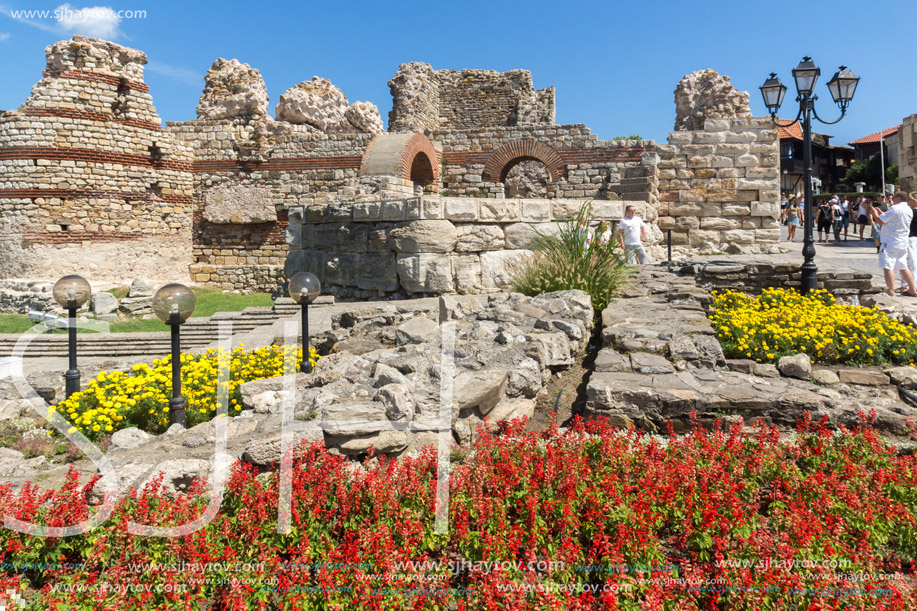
{"x":177,"y":411}
{"x":71,"y":382}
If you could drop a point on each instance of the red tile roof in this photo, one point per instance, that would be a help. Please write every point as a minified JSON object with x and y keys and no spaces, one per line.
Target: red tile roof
{"x":793,"y":131}
{"x":871,"y":138}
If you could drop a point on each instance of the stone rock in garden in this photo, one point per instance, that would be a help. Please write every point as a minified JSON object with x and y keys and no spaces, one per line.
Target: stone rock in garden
{"x":456,"y":307}
{"x":825,"y":376}
{"x":103,"y":303}
{"x":478,"y":389}
{"x":344,"y":364}
{"x":556,"y":348}
{"x":766,"y":370}
{"x":263,"y":452}
{"x":903,"y":376}
{"x":863,"y":377}
{"x":398,"y":402}
{"x":646,"y":362}
{"x":128,"y":439}
{"x":239,"y":205}
{"x":265,"y":395}
{"x":797,"y":366}
{"x":385,"y":375}
{"x":703,"y":95}
{"x":354,"y":418}
{"x":221,"y":465}
{"x":365,"y":117}
{"x":11,"y":454}
{"x":609,"y":359}
{"x":741,"y":365}
{"x":417,"y":330}
{"x":120,"y":482}
{"x":179,"y":473}
{"x":512,"y":408}
{"x":232,"y":89}
{"x":710,"y":351}
{"x":16,"y":468}
{"x":382,"y":442}
{"x":140,"y":287}
{"x":109,"y":318}
{"x":428,"y":236}
{"x":136,"y":305}
{"x":16,"y":408}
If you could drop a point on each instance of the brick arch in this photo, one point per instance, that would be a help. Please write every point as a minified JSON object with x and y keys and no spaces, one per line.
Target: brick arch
{"x":500,"y":162}
{"x":396,"y":155}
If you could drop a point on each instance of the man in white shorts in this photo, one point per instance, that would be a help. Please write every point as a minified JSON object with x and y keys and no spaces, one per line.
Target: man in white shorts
{"x":633,"y":231}
{"x":896,"y":228}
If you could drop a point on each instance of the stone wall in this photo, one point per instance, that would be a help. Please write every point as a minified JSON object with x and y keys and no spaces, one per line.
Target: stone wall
{"x":719,"y":187}
{"x":427,"y":100}
{"x":907,"y":153}
{"x":84,"y":162}
{"x":425,"y":245}
{"x":475,"y":162}
{"x":753,"y":277}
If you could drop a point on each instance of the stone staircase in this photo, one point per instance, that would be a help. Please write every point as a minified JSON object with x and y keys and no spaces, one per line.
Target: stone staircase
{"x":195,"y":333}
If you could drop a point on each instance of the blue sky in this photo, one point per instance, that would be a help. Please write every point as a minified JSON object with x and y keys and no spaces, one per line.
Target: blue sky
{"x":615,"y":64}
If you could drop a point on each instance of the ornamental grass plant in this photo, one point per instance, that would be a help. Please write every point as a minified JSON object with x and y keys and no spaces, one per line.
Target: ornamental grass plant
{"x":585,"y":518}
{"x":781,"y":322}
{"x":573,"y":258}
{"x":140,"y":397}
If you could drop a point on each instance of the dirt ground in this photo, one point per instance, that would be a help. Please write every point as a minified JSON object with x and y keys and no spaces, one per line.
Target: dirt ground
{"x":565,"y":393}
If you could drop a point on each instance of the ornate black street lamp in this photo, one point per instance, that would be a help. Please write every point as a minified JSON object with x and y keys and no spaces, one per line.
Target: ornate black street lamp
{"x":842,"y":87}
{"x":173,"y":304}
{"x":71,"y":292}
{"x":304,"y":288}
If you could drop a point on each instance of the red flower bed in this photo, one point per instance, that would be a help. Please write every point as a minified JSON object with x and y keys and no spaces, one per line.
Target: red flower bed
{"x":592,"y":518}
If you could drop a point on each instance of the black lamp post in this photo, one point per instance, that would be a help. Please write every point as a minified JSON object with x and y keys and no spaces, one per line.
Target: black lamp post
{"x":71,"y":292}
{"x":304,"y":288}
{"x":173,"y":304}
{"x":842,"y":87}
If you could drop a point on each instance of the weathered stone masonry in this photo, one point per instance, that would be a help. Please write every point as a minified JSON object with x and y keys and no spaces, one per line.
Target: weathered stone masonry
{"x":907,"y":153}
{"x":441,"y":202}
{"x":86,"y":165}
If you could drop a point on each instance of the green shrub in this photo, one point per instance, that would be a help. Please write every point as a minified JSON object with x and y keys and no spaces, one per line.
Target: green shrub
{"x":569,"y":260}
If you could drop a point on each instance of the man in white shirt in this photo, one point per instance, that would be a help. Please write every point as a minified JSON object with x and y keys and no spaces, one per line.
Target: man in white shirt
{"x":633,"y":232}
{"x":896,"y":228}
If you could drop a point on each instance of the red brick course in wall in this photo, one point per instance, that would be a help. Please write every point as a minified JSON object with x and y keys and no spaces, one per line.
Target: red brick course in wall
{"x":91,"y":194}
{"x":90,"y":116}
{"x":52,"y":238}
{"x":341,"y":162}
{"x":100,"y":77}
{"x":91,"y":156}
{"x":569,"y":156}
{"x":503,"y":157}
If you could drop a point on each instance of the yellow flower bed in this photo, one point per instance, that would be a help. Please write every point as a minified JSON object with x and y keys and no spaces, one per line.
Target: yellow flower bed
{"x":780,"y":322}
{"x":140,"y":397}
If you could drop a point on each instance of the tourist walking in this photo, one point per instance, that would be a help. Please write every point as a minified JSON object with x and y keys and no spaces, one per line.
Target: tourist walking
{"x":895,"y":241}
{"x":784,"y":204}
{"x":823,"y":221}
{"x":912,"y":236}
{"x":837,"y":218}
{"x":845,"y":216}
{"x":633,"y":232}
{"x":792,"y":221}
{"x":862,"y":214}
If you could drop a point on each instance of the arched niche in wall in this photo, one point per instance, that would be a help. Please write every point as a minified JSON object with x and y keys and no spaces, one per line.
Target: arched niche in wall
{"x":410,"y":156}
{"x":509,"y":155}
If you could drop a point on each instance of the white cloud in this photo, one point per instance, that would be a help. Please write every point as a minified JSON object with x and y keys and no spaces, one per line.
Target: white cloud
{"x":4,"y":36}
{"x":185,"y":75}
{"x":96,"y":21}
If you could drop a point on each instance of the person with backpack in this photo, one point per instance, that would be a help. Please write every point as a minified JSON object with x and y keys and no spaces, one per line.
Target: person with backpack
{"x":837,"y":218}
{"x":823,"y":221}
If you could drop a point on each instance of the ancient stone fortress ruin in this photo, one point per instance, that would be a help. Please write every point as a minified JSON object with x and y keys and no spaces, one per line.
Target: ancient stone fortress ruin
{"x":444,"y":201}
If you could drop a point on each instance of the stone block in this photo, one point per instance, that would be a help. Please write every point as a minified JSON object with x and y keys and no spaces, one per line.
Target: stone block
{"x":292,"y":235}
{"x":466,"y":270}
{"x":432,"y":208}
{"x":239,"y":204}
{"x":460,"y":208}
{"x":765,"y":209}
{"x":720,"y":223}
{"x":424,"y":236}
{"x":535,"y":210}
{"x":393,"y":210}
{"x":739,"y":236}
{"x":499,"y":210}
{"x":377,"y":271}
{"x":425,"y":273}
{"x":367,"y":211}
{"x":103,"y":303}
{"x":722,"y":161}
{"x":605,"y":210}
{"x":863,"y":377}
{"x":474,"y":237}
{"x":767,"y":235}
{"x":736,"y":209}
{"x":520,"y":235}
{"x":497,"y":267}
{"x":747,"y":161}
{"x":340,"y":268}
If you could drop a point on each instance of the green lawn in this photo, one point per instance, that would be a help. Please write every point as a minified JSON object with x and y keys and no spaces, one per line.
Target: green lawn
{"x":209,"y":301}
